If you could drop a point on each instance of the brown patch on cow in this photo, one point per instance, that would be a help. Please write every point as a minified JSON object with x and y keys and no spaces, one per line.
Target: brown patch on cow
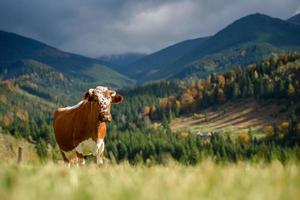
{"x":117,"y":99}
{"x":102,"y":130}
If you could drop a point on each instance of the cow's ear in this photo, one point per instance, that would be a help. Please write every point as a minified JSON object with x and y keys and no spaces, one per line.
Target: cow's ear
{"x":117,"y":99}
{"x":89,"y":95}
{"x":86,"y":95}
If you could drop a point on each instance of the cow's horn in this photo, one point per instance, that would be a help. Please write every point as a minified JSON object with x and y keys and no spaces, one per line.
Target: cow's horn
{"x":91,"y":91}
{"x":113,"y":93}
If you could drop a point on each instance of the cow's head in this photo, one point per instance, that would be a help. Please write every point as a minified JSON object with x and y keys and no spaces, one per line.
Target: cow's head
{"x":103,"y":97}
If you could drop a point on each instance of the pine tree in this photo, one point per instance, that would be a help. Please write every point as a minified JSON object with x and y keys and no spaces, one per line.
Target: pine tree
{"x":236,"y":91}
{"x":290,"y":90}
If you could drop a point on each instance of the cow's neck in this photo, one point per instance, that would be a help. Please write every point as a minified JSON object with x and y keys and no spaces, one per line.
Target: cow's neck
{"x":89,"y":115}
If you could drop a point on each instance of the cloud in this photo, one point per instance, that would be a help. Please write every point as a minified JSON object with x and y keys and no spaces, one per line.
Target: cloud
{"x":297,"y":11}
{"x":98,"y":27}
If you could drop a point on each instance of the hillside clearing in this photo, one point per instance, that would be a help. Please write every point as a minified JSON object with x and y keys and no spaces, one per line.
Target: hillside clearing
{"x":204,"y":181}
{"x":233,"y":117}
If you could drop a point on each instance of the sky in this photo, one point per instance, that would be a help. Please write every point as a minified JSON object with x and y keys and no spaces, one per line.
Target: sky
{"x":104,"y":27}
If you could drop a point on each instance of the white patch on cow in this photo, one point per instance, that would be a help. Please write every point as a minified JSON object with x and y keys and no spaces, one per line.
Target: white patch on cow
{"x":74,"y":107}
{"x":86,"y":147}
{"x":101,"y":88}
{"x":100,"y":145}
{"x":103,"y":100}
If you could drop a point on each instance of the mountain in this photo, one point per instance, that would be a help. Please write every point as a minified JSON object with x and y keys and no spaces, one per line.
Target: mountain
{"x":295,"y":19}
{"x":121,"y":62}
{"x":35,"y":79}
{"x":144,"y":67}
{"x":15,"y":48}
{"x":245,"y":41}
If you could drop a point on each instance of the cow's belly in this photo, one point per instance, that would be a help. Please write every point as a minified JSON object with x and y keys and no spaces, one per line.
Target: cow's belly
{"x":85,"y":148}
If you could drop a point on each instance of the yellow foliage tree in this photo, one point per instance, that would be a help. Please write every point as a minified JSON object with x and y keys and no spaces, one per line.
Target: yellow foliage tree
{"x":186,"y":99}
{"x":221,"y":81}
{"x":244,"y":137}
{"x":291,"y":90}
{"x":221,"y":96}
{"x":200,"y":85}
{"x":3,"y":98}
{"x":7,"y":120}
{"x":163,"y":103}
{"x":146,"y":110}
{"x":284,"y":127}
{"x":183,"y":134}
{"x":268,"y":130}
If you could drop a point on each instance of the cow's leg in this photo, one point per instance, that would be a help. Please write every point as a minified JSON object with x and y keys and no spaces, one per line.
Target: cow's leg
{"x":100,"y":143}
{"x":100,"y":159}
{"x":64,"y":157}
{"x":100,"y":152}
{"x":81,"y":159}
{"x":70,"y":157}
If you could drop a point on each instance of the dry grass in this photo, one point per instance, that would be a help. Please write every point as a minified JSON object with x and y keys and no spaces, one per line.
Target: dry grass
{"x":204,"y":181}
{"x":9,"y":149}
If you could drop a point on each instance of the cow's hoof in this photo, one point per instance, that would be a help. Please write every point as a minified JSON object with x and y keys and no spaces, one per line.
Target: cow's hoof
{"x":103,"y":163}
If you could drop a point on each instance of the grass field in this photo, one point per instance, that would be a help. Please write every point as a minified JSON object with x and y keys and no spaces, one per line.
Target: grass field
{"x":204,"y":181}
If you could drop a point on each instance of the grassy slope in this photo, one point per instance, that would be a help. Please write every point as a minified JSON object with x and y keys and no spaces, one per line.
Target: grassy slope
{"x":16,"y":98}
{"x":9,"y":149}
{"x":204,"y":181}
{"x":233,"y":117}
{"x":107,"y":77}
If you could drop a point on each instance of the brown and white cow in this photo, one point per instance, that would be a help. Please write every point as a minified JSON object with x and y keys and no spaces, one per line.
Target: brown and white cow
{"x":80,"y":130}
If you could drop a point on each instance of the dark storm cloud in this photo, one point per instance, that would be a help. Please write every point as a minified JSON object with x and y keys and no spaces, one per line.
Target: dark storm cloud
{"x":97,"y":27}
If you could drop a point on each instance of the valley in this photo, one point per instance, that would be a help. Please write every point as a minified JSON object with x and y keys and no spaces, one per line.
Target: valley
{"x":130,"y":100}
{"x":230,"y":84}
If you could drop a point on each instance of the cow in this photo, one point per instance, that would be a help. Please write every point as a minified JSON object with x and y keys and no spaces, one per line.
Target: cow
{"x":80,"y":130}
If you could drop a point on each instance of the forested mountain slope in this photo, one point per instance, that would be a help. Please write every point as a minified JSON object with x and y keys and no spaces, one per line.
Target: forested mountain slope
{"x":245,"y":41}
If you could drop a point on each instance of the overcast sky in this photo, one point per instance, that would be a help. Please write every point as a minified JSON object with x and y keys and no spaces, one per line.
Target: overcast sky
{"x":103,"y":27}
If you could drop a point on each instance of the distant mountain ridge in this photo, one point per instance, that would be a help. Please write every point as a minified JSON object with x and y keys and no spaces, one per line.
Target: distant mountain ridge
{"x":162,"y":58}
{"x":14,"y":48}
{"x":120,"y":62}
{"x":295,"y":19}
{"x":245,"y":41}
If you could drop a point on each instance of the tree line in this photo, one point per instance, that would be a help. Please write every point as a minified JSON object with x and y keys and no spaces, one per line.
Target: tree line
{"x":275,"y":78}
{"x":130,"y":136}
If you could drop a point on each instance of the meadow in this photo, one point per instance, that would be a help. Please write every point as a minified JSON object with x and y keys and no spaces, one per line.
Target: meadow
{"x":206,"y":180}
